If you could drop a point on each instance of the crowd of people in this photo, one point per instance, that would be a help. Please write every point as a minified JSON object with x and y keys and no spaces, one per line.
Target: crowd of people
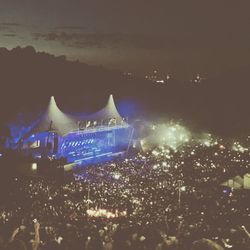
{"x":154,"y":200}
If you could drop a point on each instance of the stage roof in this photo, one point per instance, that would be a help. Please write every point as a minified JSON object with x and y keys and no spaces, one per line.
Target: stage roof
{"x":53,"y":119}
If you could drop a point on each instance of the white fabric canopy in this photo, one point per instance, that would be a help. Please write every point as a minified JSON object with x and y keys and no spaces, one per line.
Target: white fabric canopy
{"x":108,"y":112}
{"x":54,"y":120}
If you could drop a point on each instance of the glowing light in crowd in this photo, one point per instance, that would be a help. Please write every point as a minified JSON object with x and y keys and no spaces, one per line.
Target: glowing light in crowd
{"x":207,"y":140}
{"x":167,"y":136}
{"x":105,"y":213}
{"x":155,"y":166}
{"x":155,"y":153}
{"x":164,"y":164}
{"x":117,"y":176}
{"x":34,"y":166}
{"x":238,"y":148}
{"x":207,"y":143}
{"x":175,"y":135}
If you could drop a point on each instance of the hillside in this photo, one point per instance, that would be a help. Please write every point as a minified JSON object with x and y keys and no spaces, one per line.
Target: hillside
{"x":29,"y":78}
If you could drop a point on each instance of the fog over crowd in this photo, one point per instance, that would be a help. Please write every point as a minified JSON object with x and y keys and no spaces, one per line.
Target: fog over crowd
{"x":169,"y":196}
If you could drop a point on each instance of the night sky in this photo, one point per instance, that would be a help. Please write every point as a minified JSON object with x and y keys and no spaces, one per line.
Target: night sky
{"x":178,"y":37}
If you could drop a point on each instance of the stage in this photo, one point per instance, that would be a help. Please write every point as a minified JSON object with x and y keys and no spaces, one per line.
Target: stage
{"x":84,"y":147}
{"x":96,"y":144}
{"x":81,"y":139}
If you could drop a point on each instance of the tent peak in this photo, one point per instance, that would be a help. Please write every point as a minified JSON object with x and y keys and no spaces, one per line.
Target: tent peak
{"x":52,"y":102}
{"x":52,"y":99}
{"x":111,"y":100}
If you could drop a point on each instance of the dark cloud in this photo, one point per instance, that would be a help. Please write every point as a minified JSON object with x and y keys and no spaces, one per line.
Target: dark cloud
{"x":113,"y":40}
{"x":9,"y":24}
{"x":174,"y":40}
{"x":208,"y":34}
{"x":10,"y":35}
{"x":67,"y":28}
{"x":9,"y":28}
{"x":102,"y":40}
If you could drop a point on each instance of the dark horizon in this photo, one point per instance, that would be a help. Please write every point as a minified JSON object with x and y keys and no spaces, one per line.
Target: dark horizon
{"x":219,"y":104}
{"x":179,"y":38}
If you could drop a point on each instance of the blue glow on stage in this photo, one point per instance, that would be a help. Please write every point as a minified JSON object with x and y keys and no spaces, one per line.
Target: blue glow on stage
{"x":73,"y":138}
{"x":84,"y":147}
{"x":129,"y":108}
{"x":96,"y":144}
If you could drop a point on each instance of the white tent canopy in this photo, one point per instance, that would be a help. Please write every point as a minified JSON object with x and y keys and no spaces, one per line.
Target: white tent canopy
{"x":108,"y":112}
{"x":55,"y":120}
